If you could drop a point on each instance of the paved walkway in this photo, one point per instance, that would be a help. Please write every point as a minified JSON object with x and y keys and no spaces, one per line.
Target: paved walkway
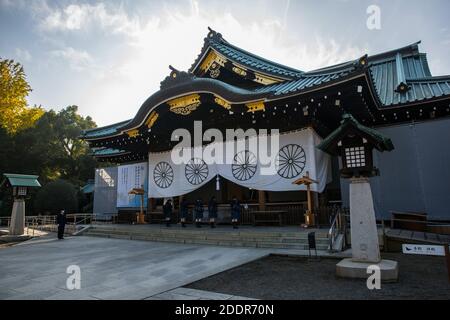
{"x":110,"y":268}
{"x":194,"y":294}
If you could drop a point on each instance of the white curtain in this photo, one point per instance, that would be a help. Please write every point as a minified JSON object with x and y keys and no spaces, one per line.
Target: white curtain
{"x":295,"y":155}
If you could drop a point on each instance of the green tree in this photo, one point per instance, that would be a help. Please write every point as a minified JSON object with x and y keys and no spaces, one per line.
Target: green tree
{"x":55,"y":196}
{"x":52,"y":149}
{"x":14,"y":88}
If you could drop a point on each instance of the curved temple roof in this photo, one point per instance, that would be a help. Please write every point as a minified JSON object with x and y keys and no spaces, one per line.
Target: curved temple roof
{"x":178,"y":84}
{"x":398,"y":78}
{"x":214,"y":40}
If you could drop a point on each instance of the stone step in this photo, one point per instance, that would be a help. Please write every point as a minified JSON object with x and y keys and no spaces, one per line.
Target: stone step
{"x":204,"y":234}
{"x":256,"y":243}
{"x":230,"y":243}
{"x":210,"y":236}
{"x":205,"y":229}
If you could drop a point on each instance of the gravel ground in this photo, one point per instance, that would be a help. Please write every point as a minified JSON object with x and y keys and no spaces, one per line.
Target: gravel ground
{"x":281,"y":277}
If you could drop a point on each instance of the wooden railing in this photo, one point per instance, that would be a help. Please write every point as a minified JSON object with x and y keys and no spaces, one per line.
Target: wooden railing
{"x":293,"y":214}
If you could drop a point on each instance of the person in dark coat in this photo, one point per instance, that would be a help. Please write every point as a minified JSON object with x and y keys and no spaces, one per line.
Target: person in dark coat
{"x":61,"y":222}
{"x":184,"y":209}
{"x":235,"y":212}
{"x":212,"y":211}
{"x":198,"y":210}
{"x":167,"y":210}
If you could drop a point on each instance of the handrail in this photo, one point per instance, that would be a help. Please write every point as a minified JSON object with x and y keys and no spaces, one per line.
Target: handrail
{"x":332,"y":232}
{"x":338,"y":227}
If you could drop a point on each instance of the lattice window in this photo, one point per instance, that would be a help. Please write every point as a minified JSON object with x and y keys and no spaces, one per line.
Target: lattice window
{"x":355,"y":157}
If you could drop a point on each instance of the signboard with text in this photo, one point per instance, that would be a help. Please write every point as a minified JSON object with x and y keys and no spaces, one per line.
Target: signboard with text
{"x":423,"y":249}
{"x":129,"y":177}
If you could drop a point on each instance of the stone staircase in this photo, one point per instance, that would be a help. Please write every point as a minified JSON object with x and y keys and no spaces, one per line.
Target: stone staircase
{"x":226,"y":237}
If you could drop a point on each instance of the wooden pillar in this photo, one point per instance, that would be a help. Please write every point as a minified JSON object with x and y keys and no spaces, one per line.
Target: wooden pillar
{"x":309,"y":216}
{"x":308,"y":193}
{"x":141,"y":218}
{"x":262,"y":200}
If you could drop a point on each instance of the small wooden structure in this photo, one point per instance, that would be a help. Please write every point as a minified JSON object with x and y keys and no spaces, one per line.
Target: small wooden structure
{"x":139,"y":192}
{"x":20,"y":185}
{"x":309,"y":215}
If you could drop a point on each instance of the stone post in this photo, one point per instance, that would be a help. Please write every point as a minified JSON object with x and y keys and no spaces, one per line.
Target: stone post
{"x":364,"y":234}
{"x":17,"y":225}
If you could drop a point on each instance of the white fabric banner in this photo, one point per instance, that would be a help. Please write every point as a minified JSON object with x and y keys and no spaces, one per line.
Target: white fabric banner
{"x":128,"y":177}
{"x":295,"y":155}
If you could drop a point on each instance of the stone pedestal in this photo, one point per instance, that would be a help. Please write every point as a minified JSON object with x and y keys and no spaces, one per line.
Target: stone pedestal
{"x":17,"y":225}
{"x":363,"y":226}
{"x":347,"y":268}
{"x":364,"y":235}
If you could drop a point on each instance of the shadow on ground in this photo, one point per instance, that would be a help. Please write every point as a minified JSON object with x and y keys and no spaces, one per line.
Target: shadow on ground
{"x":282,"y":277}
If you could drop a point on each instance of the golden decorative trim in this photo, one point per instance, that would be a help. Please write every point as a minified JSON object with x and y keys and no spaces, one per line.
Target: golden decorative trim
{"x":266,"y":80}
{"x":185,"y":105}
{"x":240,"y":71}
{"x":256,"y":106}
{"x":212,"y":58}
{"x":133,"y":133}
{"x":151,"y":119}
{"x":223,"y":103}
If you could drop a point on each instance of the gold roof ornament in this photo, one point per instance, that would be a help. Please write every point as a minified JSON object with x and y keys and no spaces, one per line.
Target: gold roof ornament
{"x":265,"y":80}
{"x":213,"y":58}
{"x":151,"y":119}
{"x":256,"y":106}
{"x":223,"y":103}
{"x":185,"y":105}
{"x":240,"y":71}
{"x":133,"y":133}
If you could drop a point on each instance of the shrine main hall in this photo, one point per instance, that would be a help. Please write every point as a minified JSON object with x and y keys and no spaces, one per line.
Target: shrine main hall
{"x":393,"y":93}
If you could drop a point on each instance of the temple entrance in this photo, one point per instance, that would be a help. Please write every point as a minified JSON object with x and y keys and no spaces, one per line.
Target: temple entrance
{"x":291,"y":205}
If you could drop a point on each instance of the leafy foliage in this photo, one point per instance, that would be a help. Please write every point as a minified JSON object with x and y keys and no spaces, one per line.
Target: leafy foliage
{"x":55,"y":196}
{"x":14,"y":113}
{"x":35,"y":141}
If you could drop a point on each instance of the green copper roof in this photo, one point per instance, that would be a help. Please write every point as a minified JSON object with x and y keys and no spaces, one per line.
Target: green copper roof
{"x":381,"y":142}
{"x":386,"y":75}
{"x":215,"y":41}
{"x":108,"y":152}
{"x":89,"y":187}
{"x":311,"y":79}
{"x":387,"y":72}
{"x":253,"y":61}
{"x":104,"y":131}
{"x":22,"y":180}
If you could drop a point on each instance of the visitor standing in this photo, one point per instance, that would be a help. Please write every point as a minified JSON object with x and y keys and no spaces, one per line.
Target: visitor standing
{"x":212,"y":211}
{"x":61,"y":221}
{"x":184,"y":209}
{"x":167,"y":210}
{"x":198,"y":211}
{"x":235,"y":212}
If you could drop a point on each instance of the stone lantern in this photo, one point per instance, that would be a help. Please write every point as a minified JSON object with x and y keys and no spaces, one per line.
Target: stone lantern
{"x":19,"y":184}
{"x":354,"y":143}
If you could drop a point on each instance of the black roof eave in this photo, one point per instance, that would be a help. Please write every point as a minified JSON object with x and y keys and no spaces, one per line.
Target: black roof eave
{"x":198,"y":85}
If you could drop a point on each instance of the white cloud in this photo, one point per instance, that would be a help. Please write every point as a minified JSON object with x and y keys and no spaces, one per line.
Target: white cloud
{"x":23,"y":55}
{"x":176,"y":37}
{"x":173,"y":35}
{"x":78,"y":60}
{"x":85,"y":16}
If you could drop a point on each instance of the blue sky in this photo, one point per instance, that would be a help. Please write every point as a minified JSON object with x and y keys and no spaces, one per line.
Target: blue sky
{"x":107,"y":57}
